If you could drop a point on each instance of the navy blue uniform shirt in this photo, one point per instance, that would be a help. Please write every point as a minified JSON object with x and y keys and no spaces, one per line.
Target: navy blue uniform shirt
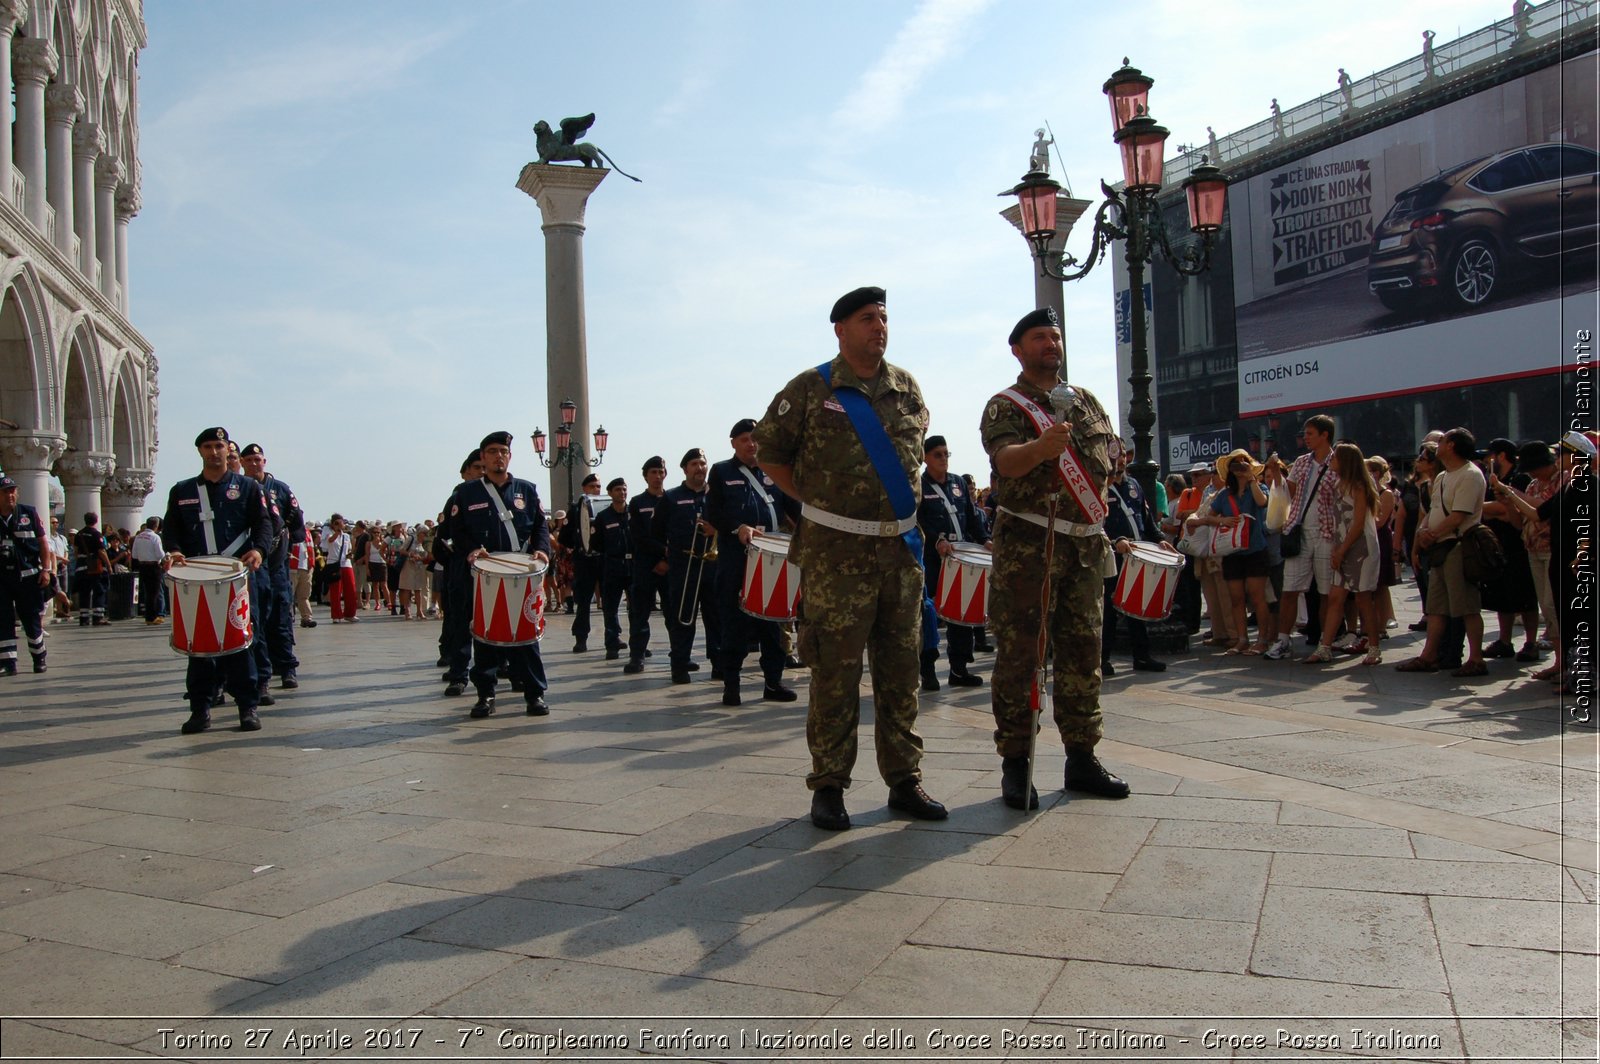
{"x":472,"y":519}
{"x":237,"y":506}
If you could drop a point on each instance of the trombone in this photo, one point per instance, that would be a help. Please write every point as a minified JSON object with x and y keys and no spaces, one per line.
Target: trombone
{"x":702,"y":549}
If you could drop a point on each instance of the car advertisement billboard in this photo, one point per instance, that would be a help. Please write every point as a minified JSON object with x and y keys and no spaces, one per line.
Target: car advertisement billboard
{"x":1455,"y":247}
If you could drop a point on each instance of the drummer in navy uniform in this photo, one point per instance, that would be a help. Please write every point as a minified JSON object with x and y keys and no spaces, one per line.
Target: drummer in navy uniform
{"x":1130,"y":519}
{"x":500,"y":514}
{"x":26,"y":565}
{"x":742,"y":502}
{"x":455,"y":630}
{"x":648,"y":575}
{"x":681,"y":528}
{"x":947,"y":516}
{"x":616,"y":563}
{"x":275,"y":652}
{"x":587,"y":564}
{"x":218,"y":513}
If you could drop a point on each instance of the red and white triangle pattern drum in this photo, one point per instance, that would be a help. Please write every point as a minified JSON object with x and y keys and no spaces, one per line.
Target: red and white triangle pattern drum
{"x":771,"y":580}
{"x":210,"y":606}
{"x":964,"y":585}
{"x":1148,"y":582}
{"x":507,"y":599}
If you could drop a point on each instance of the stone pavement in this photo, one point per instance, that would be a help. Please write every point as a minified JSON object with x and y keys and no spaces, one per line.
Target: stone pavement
{"x":1308,"y":852}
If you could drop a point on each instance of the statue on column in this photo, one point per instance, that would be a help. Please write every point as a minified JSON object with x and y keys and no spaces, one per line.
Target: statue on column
{"x":1039,"y":161}
{"x":564,"y":147}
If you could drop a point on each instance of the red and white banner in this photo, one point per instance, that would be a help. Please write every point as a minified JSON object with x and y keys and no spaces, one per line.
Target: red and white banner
{"x":1069,"y":465}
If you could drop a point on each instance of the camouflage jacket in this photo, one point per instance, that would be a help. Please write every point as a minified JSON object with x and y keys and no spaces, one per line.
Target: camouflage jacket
{"x":807,"y":429}
{"x":1004,"y":424}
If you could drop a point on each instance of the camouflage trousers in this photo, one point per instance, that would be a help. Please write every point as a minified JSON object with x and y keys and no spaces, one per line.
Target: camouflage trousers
{"x":840,"y":615}
{"x":1016,"y":584}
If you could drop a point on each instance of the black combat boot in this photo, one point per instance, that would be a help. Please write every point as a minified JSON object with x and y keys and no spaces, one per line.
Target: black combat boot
{"x":1085,"y":773}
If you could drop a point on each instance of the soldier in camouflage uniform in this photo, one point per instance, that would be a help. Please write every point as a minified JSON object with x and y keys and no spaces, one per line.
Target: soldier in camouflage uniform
{"x":1026,"y":480}
{"x":861,"y":584}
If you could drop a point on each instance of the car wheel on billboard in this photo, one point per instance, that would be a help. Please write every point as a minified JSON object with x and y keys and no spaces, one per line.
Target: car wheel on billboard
{"x":1474,"y":272}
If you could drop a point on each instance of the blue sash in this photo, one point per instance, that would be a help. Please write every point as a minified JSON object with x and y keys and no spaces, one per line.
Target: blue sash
{"x":881,"y":453}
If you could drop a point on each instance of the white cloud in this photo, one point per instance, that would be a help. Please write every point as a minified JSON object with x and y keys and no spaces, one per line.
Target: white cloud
{"x":922,"y":43}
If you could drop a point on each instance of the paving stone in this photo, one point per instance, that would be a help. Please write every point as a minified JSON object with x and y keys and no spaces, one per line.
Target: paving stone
{"x":600,"y":887}
{"x":1432,"y":848}
{"x":884,"y":835}
{"x":918,"y":978}
{"x":163,"y":834}
{"x":686,"y":845}
{"x":275,"y":951}
{"x":1498,"y":790}
{"x":1361,"y":937}
{"x":1031,"y":930}
{"x":956,"y":879}
{"x":511,"y":840}
{"x":285,"y":889}
{"x":26,"y":1040}
{"x":823,"y":938}
{"x":745,"y":885}
{"x":1283,"y":838}
{"x":1515,"y":923}
{"x":563,"y":986}
{"x":1078,"y":843}
{"x":21,"y":889}
{"x":400,"y":977}
{"x":1499,"y":981}
{"x":1490,"y":879}
{"x":1181,"y":807}
{"x":1192,"y":882}
{"x":651,"y":942}
{"x":43,"y":978}
{"x":145,"y":927}
{"x":133,"y":871}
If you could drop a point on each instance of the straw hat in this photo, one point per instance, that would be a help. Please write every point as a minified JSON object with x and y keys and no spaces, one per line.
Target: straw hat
{"x":1238,"y":452}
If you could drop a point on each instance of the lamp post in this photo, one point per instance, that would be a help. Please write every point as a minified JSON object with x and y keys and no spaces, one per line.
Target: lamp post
{"x":1134,"y":217}
{"x":569,"y":452}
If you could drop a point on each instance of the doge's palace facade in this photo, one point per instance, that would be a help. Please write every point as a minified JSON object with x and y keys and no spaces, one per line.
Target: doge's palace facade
{"x":77,"y":380}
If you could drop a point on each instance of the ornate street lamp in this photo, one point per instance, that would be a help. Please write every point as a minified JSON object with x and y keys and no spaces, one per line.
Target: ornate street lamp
{"x":1134,"y":217}
{"x":567,"y":453}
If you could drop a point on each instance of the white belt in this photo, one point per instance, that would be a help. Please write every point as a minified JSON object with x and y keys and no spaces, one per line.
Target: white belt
{"x":1070,"y":528}
{"x":856,"y":526}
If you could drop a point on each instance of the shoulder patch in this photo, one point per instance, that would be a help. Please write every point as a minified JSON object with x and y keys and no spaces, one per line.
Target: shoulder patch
{"x":783,"y":407}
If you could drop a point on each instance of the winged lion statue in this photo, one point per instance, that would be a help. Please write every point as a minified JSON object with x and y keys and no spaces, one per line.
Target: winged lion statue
{"x":564,"y":147}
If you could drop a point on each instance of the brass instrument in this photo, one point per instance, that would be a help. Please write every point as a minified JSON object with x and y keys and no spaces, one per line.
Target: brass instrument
{"x":702,"y":548}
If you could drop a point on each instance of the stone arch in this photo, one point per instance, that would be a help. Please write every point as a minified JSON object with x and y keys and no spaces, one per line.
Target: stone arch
{"x":30,"y":387}
{"x":130,"y":433}
{"x":84,"y":416}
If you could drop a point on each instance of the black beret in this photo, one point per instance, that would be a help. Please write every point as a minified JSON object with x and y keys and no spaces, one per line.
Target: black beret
{"x":6,"y":483}
{"x":690,"y":455}
{"x":851,"y":302}
{"x":211,"y":434}
{"x":1501,"y":445}
{"x":931,"y":442}
{"x":1534,"y":456}
{"x":616,"y":482}
{"x":742,"y":426}
{"x":474,"y":456}
{"x":252,"y":449}
{"x":655,"y":461}
{"x":1032,"y":320}
{"x":503,"y":439}
{"x":592,"y":478}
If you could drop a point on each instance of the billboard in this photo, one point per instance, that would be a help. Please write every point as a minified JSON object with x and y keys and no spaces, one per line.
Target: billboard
{"x":1426,"y":254}
{"x":1198,"y":445}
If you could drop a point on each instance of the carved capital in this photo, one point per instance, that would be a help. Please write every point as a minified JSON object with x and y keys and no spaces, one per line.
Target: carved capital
{"x":85,"y":469}
{"x":35,"y":451}
{"x":127,"y":205}
{"x":34,"y":60}
{"x":128,"y":487}
{"x":87,"y":140}
{"x":108,"y":170}
{"x":11,"y":13}
{"x":62,"y":104}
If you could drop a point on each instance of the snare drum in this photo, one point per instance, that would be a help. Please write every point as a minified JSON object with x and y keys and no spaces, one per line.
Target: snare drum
{"x":1147,"y":583}
{"x":507,"y":599}
{"x":210,"y":606}
{"x":964,"y":585}
{"x":771,"y":580}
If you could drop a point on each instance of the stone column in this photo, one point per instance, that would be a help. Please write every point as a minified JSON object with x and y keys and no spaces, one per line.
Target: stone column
{"x":11,"y":13}
{"x":562,"y":192}
{"x":123,"y":498}
{"x":127,"y":206}
{"x":33,"y":63}
{"x":62,"y":103}
{"x":108,"y":173}
{"x":89,"y":143}
{"x":83,"y":474}
{"x":27,"y":458}
{"x":1048,"y":291}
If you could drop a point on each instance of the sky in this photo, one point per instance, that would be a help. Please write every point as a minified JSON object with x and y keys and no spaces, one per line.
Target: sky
{"x":332,"y":258}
